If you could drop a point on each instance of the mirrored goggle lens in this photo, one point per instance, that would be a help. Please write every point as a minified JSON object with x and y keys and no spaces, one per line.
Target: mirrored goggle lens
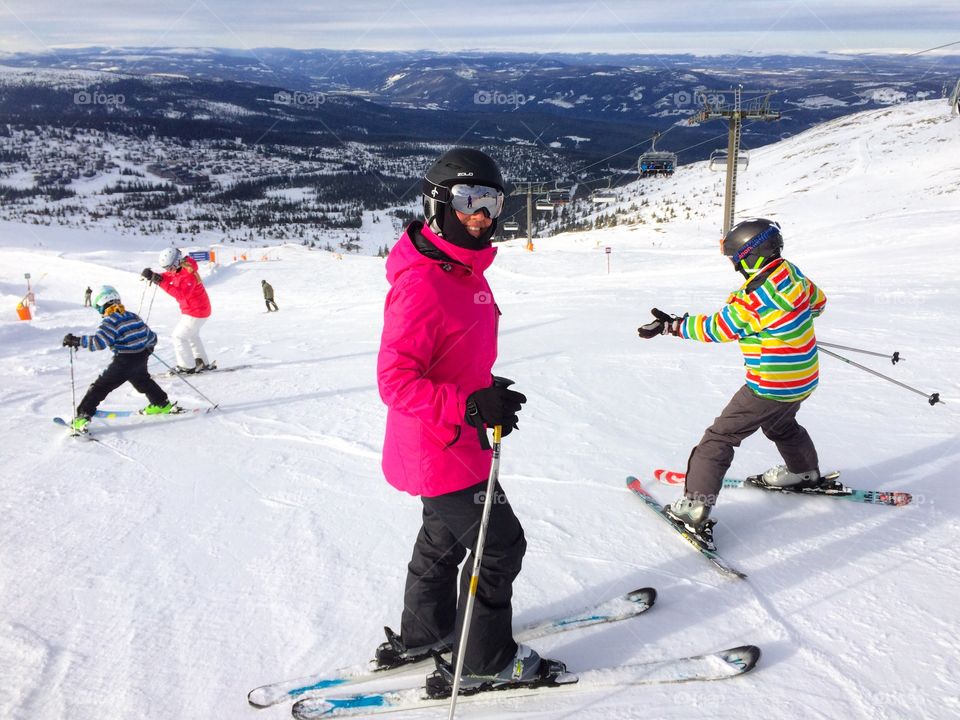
{"x":474,"y":198}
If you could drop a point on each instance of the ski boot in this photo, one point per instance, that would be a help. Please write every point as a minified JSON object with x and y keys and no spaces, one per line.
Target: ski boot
{"x":693,"y":516}
{"x":181,"y":370}
{"x":394,"y":652}
{"x":171,"y":408}
{"x":81,"y":424}
{"x":525,"y":669}
{"x":781,"y":477}
{"x":200,"y":366}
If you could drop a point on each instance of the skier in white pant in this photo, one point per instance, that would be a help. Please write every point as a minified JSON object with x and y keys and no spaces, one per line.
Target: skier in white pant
{"x":182,"y":282}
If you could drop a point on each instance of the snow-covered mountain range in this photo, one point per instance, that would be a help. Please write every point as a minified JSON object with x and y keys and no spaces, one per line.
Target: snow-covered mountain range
{"x":179,"y":562}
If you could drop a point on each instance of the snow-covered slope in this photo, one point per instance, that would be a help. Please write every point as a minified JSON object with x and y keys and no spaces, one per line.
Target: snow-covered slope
{"x":165,"y":571}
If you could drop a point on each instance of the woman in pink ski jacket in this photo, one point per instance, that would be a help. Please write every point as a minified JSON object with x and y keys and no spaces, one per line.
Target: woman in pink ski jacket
{"x":181,"y":280}
{"x":439,"y":345}
{"x":434,"y":372}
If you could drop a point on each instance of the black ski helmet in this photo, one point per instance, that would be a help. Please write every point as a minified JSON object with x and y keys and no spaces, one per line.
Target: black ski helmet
{"x":750,"y":244}
{"x":459,"y":165}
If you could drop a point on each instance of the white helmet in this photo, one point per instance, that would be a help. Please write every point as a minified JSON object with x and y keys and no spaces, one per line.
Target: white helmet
{"x":170,"y":258}
{"x":106,"y":296}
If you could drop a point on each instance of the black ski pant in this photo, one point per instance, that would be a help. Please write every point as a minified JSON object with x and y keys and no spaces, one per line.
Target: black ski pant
{"x":125,"y":367}
{"x":269,"y":302}
{"x":431,"y":611}
{"x":741,"y":418}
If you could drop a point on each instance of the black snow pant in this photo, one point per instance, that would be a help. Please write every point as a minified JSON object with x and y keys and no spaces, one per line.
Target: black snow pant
{"x":269,"y":302}
{"x":741,"y":418}
{"x":125,"y":367}
{"x":451,"y":524}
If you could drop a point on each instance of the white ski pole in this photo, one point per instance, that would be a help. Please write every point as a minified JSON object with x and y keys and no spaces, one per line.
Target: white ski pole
{"x":475,"y":576}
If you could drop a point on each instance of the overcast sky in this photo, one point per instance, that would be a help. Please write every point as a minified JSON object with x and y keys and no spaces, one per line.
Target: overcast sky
{"x":705,"y":26}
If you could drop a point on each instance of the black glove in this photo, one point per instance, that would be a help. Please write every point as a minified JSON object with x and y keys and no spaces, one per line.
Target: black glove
{"x":494,"y":405}
{"x":71,"y":341}
{"x":663,"y":325}
{"x":150,"y":276}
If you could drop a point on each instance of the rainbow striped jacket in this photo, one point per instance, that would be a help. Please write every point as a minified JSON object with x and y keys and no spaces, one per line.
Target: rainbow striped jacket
{"x":771,"y":316}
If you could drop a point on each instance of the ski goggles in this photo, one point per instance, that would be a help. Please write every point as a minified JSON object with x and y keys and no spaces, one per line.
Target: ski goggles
{"x":470,"y":199}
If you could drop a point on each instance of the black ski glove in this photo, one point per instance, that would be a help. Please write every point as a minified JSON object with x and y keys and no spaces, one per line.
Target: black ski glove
{"x":663,"y":325}
{"x":150,"y":276}
{"x":494,"y":405}
{"x":71,"y":341}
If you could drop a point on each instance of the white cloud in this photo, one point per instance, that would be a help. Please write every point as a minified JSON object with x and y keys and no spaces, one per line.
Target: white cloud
{"x":537,"y":26}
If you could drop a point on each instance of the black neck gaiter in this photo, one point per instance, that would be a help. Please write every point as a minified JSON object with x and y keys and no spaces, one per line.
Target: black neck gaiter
{"x":454,"y":231}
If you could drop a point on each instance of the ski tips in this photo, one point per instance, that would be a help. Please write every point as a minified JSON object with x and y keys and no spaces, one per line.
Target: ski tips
{"x":900,"y":498}
{"x":669,"y":477}
{"x":254,"y":699}
{"x":647,"y":595}
{"x":744,"y":658}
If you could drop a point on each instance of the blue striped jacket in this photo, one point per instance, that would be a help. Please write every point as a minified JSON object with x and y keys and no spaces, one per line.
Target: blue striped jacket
{"x":123,"y":331}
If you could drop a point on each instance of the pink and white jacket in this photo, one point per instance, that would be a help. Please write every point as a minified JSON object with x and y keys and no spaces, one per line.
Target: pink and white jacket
{"x":186,"y":287}
{"x":438,"y":346}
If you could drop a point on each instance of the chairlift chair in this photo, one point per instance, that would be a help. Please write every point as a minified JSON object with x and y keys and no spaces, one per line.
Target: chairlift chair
{"x":718,"y":160}
{"x":604,"y":197}
{"x":544,"y":204}
{"x":559,"y":196}
{"x":511,"y":226}
{"x":656,"y":162}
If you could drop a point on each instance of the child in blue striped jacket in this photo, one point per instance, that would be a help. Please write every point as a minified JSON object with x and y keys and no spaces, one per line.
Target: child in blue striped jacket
{"x":132,"y":343}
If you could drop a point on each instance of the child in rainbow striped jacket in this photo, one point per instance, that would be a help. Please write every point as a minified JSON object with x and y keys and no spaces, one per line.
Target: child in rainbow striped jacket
{"x":771,"y":316}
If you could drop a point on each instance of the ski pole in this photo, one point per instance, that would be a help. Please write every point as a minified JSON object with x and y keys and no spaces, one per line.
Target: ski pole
{"x":142,"y":293}
{"x":214,"y":405}
{"x":932,"y":398}
{"x":150,"y":309}
{"x":475,"y":576}
{"x":73,"y":385}
{"x":895,"y":358}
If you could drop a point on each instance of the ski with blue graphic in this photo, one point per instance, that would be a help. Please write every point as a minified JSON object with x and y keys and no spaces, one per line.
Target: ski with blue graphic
{"x":620,"y":608}
{"x":720,"y":665}
{"x":117,"y":414}
{"x":726,"y":568}
{"x":831,"y":488}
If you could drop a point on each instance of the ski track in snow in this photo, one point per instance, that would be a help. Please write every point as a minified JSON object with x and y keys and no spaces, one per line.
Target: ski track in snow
{"x":179,"y":562}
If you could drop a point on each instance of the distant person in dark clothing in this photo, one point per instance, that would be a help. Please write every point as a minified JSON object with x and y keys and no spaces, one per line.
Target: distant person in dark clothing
{"x":268,"y":296}
{"x":86,"y":297}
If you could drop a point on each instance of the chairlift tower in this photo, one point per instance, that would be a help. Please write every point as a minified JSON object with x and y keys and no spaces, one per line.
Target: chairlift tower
{"x":955,"y":100}
{"x":529,"y":189}
{"x":755,"y":109}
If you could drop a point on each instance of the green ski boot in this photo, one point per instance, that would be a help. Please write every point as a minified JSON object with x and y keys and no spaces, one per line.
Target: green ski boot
{"x":171,"y":408}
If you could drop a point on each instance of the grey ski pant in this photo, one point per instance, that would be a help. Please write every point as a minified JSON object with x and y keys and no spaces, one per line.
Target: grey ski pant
{"x":741,"y":418}
{"x":432,"y":609}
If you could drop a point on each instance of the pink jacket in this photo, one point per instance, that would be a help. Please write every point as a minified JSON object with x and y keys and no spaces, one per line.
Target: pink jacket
{"x":439,"y":344}
{"x":186,"y":287}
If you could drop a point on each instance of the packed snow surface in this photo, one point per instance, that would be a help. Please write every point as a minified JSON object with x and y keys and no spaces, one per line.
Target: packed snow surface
{"x":168,"y":569}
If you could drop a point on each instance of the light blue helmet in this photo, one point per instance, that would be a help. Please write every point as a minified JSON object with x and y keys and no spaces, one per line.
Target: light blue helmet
{"x":105,"y":297}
